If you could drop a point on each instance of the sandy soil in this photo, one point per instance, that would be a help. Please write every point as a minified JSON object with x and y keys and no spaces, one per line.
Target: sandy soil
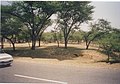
{"x":89,"y":58}
{"x":76,"y":62}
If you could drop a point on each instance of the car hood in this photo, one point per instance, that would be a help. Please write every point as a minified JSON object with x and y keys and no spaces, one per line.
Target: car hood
{"x":4,"y":55}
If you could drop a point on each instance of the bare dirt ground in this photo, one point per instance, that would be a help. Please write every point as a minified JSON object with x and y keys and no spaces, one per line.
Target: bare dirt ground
{"x":75,"y":55}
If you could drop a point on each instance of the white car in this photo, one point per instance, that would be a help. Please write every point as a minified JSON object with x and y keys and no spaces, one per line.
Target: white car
{"x":5,"y":59}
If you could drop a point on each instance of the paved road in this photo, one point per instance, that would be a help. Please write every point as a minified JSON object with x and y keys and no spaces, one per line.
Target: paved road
{"x":24,"y":72}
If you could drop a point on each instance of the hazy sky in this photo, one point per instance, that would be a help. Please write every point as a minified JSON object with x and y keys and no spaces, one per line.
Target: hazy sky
{"x":109,"y":11}
{"x":106,"y":10}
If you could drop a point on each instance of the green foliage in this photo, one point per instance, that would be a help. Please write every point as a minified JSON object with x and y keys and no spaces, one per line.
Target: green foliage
{"x":34,"y":14}
{"x":24,"y":35}
{"x":10,"y":26}
{"x":77,"y":36}
{"x":111,"y":41}
{"x":72,"y":15}
{"x":98,"y":29}
{"x":47,"y":37}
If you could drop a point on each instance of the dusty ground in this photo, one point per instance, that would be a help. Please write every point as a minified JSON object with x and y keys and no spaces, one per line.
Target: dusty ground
{"x":78,"y":62}
{"x":76,"y":55}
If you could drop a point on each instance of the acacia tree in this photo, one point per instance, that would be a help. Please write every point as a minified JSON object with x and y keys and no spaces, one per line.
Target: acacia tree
{"x":57,"y":32}
{"x":10,"y":29}
{"x":110,"y":42}
{"x":34,"y":14}
{"x":56,"y":36}
{"x":48,"y":23}
{"x":72,"y":15}
{"x":24,"y":36}
{"x":98,"y":29}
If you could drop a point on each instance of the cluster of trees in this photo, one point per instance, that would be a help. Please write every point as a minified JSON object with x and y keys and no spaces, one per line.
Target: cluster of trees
{"x":26,"y":21}
{"x":36,"y":16}
{"x":58,"y":37}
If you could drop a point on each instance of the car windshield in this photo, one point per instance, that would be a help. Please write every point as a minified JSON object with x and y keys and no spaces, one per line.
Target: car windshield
{"x":1,"y":51}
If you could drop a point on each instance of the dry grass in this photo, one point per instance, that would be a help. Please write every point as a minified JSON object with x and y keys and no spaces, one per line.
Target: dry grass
{"x":50,"y":53}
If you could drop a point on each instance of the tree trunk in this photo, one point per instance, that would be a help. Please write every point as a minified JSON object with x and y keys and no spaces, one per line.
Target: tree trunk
{"x":2,"y":43}
{"x":33,"y":44}
{"x":58,"y":43}
{"x":33,"y":41}
{"x":109,"y":52}
{"x":13,"y":44}
{"x":87,"y":45}
{"x":39,"y":41}
{"x":40,"y":36}
{"x":108,"y":58}
{"x":78,"y":41}
{"x":66,"y":43}
{"x":12,"y":41}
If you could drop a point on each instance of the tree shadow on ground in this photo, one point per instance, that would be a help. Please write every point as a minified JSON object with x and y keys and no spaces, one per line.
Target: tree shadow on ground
{"x":112,"y":61}
{"x":114,"y":58}
{"x":51,"y":52}
{"x":54,"y":52}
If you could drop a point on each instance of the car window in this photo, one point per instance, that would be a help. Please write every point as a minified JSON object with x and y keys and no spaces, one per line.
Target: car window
{"x":1,"y":51}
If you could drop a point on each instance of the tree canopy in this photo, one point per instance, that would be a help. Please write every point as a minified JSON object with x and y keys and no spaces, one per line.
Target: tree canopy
{"x":11,"y":27}
{"x":72,"y":15}
{"x":34,"y":14}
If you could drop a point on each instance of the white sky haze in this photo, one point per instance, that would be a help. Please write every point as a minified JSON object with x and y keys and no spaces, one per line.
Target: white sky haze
{"x":109,"y":11}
